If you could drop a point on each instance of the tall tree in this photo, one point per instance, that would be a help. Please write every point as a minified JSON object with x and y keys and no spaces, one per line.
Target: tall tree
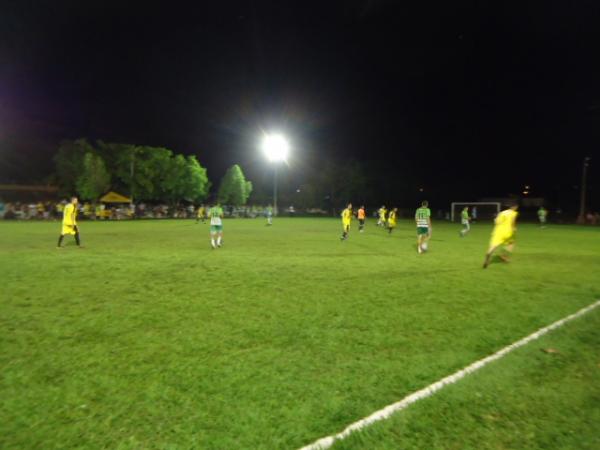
{"x":69,"y":163}
{"x":94,"y":179}
{"x":197,"y":183}
{"x":234,"y":188}
{"x":182,"y":179}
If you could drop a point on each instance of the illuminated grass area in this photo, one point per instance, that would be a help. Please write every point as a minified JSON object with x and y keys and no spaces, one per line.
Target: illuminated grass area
{"x":147,"y":338}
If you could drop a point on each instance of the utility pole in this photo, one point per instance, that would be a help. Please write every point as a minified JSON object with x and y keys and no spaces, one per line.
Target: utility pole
{"x":275,"y":191}
{"x":131,"y":172}
{"x":586,"y":163}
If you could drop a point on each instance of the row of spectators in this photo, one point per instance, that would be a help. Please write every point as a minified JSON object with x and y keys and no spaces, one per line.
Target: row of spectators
{"x":101,"y":211}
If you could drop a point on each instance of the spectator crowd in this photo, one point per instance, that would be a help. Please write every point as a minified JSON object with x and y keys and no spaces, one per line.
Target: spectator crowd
{"x":101,"y":211}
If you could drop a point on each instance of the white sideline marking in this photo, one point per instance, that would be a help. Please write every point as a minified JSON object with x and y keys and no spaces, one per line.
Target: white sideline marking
{"x":386,"y":412}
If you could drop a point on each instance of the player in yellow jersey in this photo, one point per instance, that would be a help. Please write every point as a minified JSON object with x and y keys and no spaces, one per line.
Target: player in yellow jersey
{"x":201,"y":214}
{"x":69,"y":223}
{"x":382,"y":213}
{"x":392,"y":220}
{"x":346,"y":220}
{"x":503,"y":234}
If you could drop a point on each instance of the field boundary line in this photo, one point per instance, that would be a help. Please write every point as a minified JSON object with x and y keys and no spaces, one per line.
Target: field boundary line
{"x":389,"y":410}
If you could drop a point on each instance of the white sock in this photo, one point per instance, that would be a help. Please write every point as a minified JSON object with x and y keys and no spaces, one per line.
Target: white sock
{"x":219,"y":240}
{"x":212,"y":242}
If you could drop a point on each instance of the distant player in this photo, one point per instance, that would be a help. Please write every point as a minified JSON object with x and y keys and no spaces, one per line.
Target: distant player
{"x":464,"y":220}
{"x":503,"y":234}
{"x":361,"y":214}
{"x":215,"y":214}
{"x":382,"y":216}
{"x":392,"y":219}
{"x":201,"y":214}
{"x":542,"y":216}
{"x":269,"y":213}
{"x":346,"y":220}
{"x":69,"y":222}
{"x":423,"y":221}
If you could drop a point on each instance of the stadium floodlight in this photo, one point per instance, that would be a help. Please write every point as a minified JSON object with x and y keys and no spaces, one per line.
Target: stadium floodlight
{"x":276,"y":149}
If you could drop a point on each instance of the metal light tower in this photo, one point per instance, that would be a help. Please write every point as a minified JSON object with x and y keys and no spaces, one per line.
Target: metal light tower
{"x":276,"y":149}
{"x":586,"y":163}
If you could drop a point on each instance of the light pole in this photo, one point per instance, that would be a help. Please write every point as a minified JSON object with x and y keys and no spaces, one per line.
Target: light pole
{"x":586,"y":163}
{"x":276,"y":149}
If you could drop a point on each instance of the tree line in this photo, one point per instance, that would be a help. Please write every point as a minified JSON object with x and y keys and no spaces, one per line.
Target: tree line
{"x":144,"y":173}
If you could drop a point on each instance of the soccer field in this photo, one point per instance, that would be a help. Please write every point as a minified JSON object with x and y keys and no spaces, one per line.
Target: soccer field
{"x":147,"y":338}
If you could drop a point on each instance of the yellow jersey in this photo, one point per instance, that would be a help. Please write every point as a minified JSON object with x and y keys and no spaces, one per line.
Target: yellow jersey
{"x":70,"y":215}
{"x":392,"y":218}
{"x":347,"y":215}
{"x":504,"y":228}
{"x":69,"y":219}
{"x":505,"y":222}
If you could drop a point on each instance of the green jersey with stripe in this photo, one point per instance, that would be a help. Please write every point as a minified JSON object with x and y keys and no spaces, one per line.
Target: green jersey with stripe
{"x":464,"y":215}
{"x":215,"y":214}
{"x":422,"y":217}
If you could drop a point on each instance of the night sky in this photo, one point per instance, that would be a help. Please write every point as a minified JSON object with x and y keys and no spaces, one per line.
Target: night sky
{"x":465,"y":99}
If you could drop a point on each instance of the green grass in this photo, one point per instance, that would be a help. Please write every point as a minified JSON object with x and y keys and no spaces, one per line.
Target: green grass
{"x":148,"y":339}
{"x":532,"y":399}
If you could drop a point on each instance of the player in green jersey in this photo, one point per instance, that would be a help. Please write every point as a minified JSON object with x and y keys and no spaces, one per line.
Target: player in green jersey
{"x":423,"y":221}
{"x":464,"y":220}
{"x":542,"y":216}
{"x":215,"y":214}
{"x":269,"y":214}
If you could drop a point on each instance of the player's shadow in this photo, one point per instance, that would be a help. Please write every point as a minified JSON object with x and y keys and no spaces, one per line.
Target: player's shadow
{"x":496,"y":259}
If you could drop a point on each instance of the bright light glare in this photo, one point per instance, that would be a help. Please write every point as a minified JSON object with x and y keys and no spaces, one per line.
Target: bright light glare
{"x":276,"y":147}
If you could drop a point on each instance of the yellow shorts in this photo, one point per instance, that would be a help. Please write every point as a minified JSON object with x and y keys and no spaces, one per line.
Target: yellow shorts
{"x":346,"y":224}
{"x":68,"y":229}
{"x":501,"y":239}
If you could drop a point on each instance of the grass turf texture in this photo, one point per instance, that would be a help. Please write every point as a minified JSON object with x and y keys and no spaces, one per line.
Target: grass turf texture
{"x":147,"y":338}
{"x":543,"y":396}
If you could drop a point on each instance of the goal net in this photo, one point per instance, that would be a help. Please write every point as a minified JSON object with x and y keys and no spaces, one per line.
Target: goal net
{"x":477,"y":210}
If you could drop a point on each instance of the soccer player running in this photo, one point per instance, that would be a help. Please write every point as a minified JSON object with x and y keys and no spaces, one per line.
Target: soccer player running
{"x":392,"y":218}
{"x":201,"y":214}
{"x":542,"y":216}
{"x":69,"y":223}
{"x":464,"y":220}
{"x":346,"y":220}
{"x":382,"y":213}
{"x":215,"y":214}
{"x":423,"y":221}
{"x":503,"y":234}
{"x":361,"y":218}
{"x":269,"y":213}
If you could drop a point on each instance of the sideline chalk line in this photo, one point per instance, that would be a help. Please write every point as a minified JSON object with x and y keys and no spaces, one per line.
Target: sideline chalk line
{"x":387,"y":411}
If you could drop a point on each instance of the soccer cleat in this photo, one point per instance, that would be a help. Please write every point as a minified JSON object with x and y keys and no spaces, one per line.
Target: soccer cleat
{"x":486,"y":262}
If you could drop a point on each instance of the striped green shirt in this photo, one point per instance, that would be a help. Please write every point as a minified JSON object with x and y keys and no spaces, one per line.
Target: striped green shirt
{"x":215,"y":214}
{"x":422,"y":217}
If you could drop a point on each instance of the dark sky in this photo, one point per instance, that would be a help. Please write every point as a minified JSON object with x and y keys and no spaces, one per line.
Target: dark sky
{"x":468,"y":99}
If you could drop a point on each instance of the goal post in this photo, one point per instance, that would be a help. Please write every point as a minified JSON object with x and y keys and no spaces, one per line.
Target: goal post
{"x":487,"y":210}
